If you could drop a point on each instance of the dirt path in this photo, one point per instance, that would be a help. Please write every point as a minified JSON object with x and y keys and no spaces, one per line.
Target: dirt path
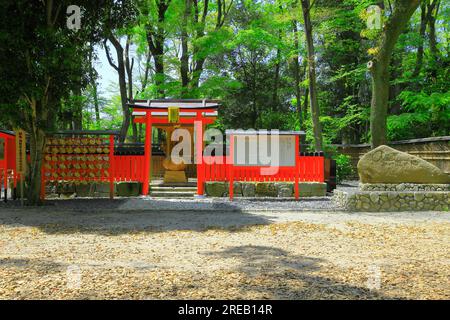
{"x":264,"y":254}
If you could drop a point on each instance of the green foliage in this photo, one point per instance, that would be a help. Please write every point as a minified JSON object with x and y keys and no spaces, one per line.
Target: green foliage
{"x":279,"y":120}
{"x":344,"y":169}
{"x":111,"y":114}
{"x":428,"y":114}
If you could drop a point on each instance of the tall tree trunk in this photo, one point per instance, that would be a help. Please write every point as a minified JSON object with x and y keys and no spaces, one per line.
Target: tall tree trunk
{"x":37,"y":144}
{"x":276,"y":82}
{"x":199,"y":62}
{"x":379,"y":68}
{"x":305,"y":103}
{"x":155,"y":41}
{"x":296,"y":71}
{"x":420,"y":49}
{"x":223,"y":9}
{"x":96,"y":104}
{"x":120,"y":68}
{"x":159,"y":69}
{"x":77,"y":112}
{"x":94,"y":85}
{"x":129,"y":64}
{"x":313,"y":101}
{"x":432,"y":12}
{"x":36,"y":122}
{"x":306,"y":97}
{"x":144,"y":81}
{"x":184,"y":60}
{"x":38,"y":116}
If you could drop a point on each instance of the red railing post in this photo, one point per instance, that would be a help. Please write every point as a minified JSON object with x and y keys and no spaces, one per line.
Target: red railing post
{"x":322,"y":169}
{"x":148,"y":154}
{"x":230,"y":167}
{"x":111,"y":167}
{"x":297,"y":168}
{"x":199,"y":154}
{"x":5,"y":181}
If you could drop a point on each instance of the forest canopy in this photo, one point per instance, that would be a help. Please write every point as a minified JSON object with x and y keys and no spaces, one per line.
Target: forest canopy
{"x":345,"y":71}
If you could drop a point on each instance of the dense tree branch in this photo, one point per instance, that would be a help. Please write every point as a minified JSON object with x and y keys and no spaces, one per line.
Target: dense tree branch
{"x":108,"y":56}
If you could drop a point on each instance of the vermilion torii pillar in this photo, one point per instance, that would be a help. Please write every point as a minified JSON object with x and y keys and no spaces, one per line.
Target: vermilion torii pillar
{"x":198,"y":124}
{"x":148,"y":153}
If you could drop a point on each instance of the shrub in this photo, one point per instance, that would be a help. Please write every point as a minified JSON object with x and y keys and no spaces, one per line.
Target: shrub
{"x":344,"y":169}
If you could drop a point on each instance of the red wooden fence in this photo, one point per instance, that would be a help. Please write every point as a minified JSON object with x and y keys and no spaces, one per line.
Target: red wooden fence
{"x":310,"y":169}
{"x":128,"y":168}
{"x":94,"y":165}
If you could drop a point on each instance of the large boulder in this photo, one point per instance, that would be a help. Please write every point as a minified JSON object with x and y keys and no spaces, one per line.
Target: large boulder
{"x":387,"y":165}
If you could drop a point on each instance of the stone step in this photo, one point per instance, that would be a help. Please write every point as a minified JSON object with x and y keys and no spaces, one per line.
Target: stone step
{"x":174,"y":185}
{"x":173,"y":189}
{"x":171,"y":194}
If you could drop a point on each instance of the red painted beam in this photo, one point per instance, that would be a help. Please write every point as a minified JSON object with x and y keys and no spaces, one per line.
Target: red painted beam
{"x":166,"y":121}
{"x":165,"y":110}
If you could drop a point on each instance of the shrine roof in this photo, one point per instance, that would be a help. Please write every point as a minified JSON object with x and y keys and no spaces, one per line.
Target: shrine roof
{"x":181,"y":103}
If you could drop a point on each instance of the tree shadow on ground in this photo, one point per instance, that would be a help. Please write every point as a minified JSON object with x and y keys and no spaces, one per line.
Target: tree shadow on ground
{"x":276,"y":274}
{"x":41,"y":266}
{"x":114,"y":218}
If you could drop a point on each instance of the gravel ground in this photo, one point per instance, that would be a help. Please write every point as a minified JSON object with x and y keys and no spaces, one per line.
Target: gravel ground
{"x":187,"y":204}
{"x":119,"y":253}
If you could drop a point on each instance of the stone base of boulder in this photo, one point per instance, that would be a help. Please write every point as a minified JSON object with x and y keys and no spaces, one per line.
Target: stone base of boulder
{"x":265,"y":189}
{"x":403,"y":187}
{"x":392,"y":201}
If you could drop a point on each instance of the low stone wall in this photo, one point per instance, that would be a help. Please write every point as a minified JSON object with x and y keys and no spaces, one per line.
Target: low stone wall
{"x":265,"y":189}
{"x":404,"y":187}
{"x":375,"y":201}
{"x":92,"y":190}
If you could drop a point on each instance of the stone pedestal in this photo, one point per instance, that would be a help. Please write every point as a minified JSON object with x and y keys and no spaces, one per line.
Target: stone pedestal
{"x":175,"y":177}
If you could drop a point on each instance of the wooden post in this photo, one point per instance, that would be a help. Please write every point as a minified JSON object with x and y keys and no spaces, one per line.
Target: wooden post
{"x":230,"y":168}
{"x":42,"y":181}
{"x":297,"y":167}
{"x":111,"y":167}
{"x":5,"y":181}
{"x":199,"y":154}
{"x":148,"y":153}
{"x":21,"y":189}
{"x":322,"y":169}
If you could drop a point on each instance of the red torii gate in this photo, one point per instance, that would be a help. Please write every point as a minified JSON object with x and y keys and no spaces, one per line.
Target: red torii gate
{"x":195,"y":112}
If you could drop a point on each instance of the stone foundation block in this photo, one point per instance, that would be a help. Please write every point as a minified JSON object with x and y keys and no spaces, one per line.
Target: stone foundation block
{"x":128,"y":189}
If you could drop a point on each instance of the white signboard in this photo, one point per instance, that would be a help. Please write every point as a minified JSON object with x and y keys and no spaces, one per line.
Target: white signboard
{"x":254,"y":150}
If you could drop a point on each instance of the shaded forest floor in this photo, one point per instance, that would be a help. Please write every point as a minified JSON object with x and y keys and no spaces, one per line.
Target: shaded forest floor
{"x":223,"y":255}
